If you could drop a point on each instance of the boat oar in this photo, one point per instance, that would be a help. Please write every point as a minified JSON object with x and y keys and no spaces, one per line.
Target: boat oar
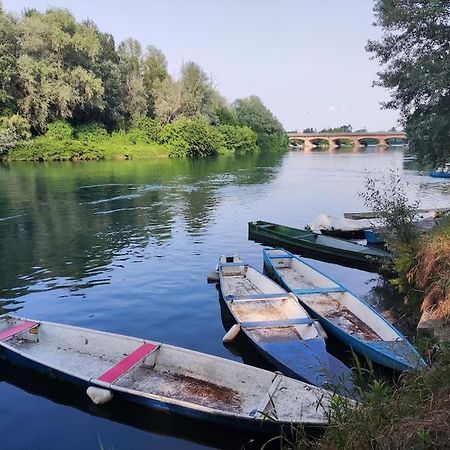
{"x":231,"y":334}
{"x":98,"y":395}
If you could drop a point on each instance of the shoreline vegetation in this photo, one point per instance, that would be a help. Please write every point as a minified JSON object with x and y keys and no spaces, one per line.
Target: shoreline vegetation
{"x":67,"y":92}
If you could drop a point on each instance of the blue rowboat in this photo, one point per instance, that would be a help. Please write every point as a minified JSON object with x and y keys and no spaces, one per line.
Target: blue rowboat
{"x":341,"y":313}
{"x":163,"y":377}
{"x":279,"y":327}
{"x":439,"y":174}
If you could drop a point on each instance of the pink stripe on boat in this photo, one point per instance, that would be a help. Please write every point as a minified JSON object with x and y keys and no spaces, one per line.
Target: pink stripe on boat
{"x":113,"y":374}
{"x":10,"y":332}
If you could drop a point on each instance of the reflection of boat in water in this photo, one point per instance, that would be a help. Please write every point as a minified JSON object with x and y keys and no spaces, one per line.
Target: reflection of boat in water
{"x":162,"y":377}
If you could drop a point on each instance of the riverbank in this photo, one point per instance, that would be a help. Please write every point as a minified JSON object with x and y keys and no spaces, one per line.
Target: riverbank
{"x":414,"y":411}
{"x":146,"y":139}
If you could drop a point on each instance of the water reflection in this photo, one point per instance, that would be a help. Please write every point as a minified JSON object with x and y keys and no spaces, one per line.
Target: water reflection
{"x":63,"y":224}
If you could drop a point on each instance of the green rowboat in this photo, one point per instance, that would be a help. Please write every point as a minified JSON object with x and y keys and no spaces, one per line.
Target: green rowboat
{"x":315,"y":245}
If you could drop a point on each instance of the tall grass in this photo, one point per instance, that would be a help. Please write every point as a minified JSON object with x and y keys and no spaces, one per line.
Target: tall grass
{"x":414,"y":413}
{"x":431,"y":274}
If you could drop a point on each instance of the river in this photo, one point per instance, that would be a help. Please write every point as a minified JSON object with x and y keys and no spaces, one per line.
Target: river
{"x":125,"y":246}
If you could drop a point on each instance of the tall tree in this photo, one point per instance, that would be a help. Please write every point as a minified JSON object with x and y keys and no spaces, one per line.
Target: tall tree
{"x":55,"y":62}
{"x":154,"y":71}
{"x":9,"y":52}
{"x":252,"y":112}
{"x":196,"y":91}
{"x":130,"y":54}
{"x":415,"y":50}
{"x":167,"y":100}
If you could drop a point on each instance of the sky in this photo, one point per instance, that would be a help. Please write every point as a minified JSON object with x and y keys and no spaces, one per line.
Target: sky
{"x":304,"y":58}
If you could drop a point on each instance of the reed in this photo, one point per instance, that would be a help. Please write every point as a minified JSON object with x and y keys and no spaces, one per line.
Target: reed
{"x":431,"y":274}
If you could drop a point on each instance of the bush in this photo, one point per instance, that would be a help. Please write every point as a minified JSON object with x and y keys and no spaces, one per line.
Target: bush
{"x":432,"y":271}
{"x":148,"y":128}
{"x":18,"y":125}
{"x":59,"y":131}
{"x":8,"y":140}
{"x":91,"y":133}
{"x":14,"y":130}
{"x":191,"y":137}
{"x":238,"y":139}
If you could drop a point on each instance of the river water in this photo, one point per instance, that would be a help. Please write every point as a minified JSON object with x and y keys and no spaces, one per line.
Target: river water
{"x":125,"y":246}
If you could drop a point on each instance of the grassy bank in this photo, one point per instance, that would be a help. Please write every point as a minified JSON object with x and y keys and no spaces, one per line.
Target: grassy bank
{"x":413,"y":412}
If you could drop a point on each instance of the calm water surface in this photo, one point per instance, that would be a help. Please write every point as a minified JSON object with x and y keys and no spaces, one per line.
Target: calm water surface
{"x":126,"y":247}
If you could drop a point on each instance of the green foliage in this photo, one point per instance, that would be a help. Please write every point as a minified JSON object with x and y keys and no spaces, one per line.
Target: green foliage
{"x":57,"y":73}
{"x":149,"y":128}
{"x":342,"y":129}
{"x":251,"y":112}
{"x":387,"y":196}
{"x":92,"y":132}
{"x":59,"y":131}
{"x":191,"y":137}
{"x":309,"y":130}
{"x":415,"y":51}
{"x":14,"y":130}
{"x":412,"y":414}
{"x":238,"y":139}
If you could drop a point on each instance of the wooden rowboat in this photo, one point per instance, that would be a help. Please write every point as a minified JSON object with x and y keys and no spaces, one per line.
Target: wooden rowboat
{"x":342,"y":314}
{"x":162,"y":377}
{"x":278,"y":327}
{"x":312,"y":244}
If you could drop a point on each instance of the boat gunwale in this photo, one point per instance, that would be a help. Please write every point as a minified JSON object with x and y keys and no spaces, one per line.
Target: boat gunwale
{"x":353,"y":254}
{"x":400,"y":338}
{"x":143,"y":394}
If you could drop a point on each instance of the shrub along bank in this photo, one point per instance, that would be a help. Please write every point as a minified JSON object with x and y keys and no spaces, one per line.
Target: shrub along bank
{"x":146,"y":139}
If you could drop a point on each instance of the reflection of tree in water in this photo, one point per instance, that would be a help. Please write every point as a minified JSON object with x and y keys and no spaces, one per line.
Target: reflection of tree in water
{"x":74,"y":219}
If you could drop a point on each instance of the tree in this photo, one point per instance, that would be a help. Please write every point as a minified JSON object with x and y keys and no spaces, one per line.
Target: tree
{"x":130,"y":55}
{"x":9,"y":52}
{"x":415,"y":49}
{"x":154,"y":70}
{"x":310,"y":130}
{"x":167,"y":100}
{"x":196,"y":91}
{"x":55,"y":62}
{"x":253,"y":113}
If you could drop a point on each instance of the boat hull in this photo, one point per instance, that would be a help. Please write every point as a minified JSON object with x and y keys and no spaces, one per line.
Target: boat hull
{"x":177,"y":405}
{"x":383,"y":353}
{"x":317,"y":251}
{"x":436,"y":174}
{"x":300,"y":358}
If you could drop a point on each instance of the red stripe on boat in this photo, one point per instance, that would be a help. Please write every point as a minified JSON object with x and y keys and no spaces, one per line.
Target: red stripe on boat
{"x":111,"y":375}
{"x":10,"y":332}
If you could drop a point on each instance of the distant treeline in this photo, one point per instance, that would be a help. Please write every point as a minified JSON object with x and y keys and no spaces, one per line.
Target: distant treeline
{"x":67,"y":91}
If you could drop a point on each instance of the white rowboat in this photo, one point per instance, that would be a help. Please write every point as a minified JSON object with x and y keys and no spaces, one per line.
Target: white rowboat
{"x":161,"y":376}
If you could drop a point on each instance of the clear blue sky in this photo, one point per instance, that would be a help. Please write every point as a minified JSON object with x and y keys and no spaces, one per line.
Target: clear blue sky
{"x":304,"y":58}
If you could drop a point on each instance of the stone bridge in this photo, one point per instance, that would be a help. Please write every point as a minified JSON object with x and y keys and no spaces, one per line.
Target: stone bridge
{"x":335,"y":139}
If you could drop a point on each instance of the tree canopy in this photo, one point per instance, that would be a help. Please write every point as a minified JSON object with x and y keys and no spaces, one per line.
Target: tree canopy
{"x":415,"y":52}
{"x":53,"y":68}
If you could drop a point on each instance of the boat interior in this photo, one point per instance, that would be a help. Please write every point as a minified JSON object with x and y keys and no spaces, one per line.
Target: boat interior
{"x":150,"y":369}
{"x":265,"y":309}
{"x":342,"y":308}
